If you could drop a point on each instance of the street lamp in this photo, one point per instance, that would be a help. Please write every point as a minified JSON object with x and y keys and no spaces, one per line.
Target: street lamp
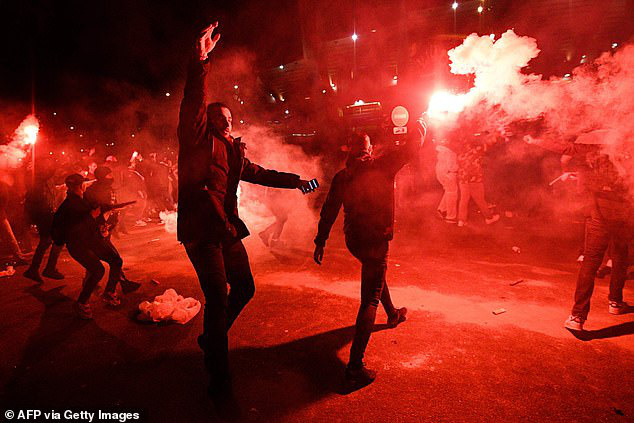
{"x":480,"y":10}
{"x":354,"y":37}
{"x":454,"y":6}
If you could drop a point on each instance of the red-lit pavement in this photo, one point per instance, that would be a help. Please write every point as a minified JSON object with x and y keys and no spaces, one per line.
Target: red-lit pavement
{"x":453,"y":360}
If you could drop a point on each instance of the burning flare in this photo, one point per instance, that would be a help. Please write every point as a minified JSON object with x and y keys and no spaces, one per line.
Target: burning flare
{"x":27,"y":132}
{"x":24,"y":136}
{"x":444,"y":103}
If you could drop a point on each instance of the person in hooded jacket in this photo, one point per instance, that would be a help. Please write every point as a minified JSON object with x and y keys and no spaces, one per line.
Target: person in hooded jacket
{"x":365,"y":188}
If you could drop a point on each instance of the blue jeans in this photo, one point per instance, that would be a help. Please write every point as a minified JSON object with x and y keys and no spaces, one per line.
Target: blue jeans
{"x":599,"y":233}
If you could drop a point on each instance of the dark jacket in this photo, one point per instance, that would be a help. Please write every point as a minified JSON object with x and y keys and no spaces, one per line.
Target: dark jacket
{"x":210,"y":169}
{"x":365,"y":188}
{"x":73,"y":223}
{"x":100,"y":194}
{"x":607,"y":192}
{"x":40,"y":203}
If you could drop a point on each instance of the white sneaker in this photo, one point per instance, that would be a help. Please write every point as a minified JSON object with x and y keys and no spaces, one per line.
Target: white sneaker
{"x":493,"y":219}
{"x":580,"y":258}
{"x":618,"y":307}
{"x":462,"y":223}
{"x":140,"y":223}
{"x":574,"y":323}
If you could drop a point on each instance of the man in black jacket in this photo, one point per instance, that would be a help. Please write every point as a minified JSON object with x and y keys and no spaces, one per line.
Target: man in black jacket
{"x":101,"y":194}
{"x":365,"y":188}
{"x":74,"y":224}
{"x":211,"y":163}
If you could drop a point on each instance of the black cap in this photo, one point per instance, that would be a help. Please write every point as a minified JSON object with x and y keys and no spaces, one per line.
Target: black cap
{"x":74,"y":180}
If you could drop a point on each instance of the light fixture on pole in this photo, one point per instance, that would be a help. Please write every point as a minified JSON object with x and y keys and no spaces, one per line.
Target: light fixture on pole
{"x":354,"y":37}
{"x":480,"y":10}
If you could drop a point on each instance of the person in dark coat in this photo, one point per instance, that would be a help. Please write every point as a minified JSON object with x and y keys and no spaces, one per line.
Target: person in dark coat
{"x":365,"y":188}
{"x":101,"y":194}
{"x":211,"y":163}
{"x":40,"y":206}
{"x":74,"y":225}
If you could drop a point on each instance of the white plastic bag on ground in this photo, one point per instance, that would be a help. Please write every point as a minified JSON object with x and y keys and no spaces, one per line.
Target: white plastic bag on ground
{"x":169,"y":306}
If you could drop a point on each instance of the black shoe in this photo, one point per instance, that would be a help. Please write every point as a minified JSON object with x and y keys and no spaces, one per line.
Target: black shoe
{"x":398,"y":317}
{"x":128,"y":286}
{"x":358,"y":377}
{"x":33,"y":274}
{"x":52,"y":274}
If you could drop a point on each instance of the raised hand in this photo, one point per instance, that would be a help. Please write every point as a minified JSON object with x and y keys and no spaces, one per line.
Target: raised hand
{"x":205,"y":42}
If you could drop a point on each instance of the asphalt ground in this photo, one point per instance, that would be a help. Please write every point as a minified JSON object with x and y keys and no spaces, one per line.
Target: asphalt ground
{"x":452,"y":360}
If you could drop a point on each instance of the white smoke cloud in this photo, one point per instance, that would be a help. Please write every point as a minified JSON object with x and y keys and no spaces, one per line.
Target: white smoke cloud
{"x":267,"y":149}
{"x":598,"y":95}
{"x":169,"y":218}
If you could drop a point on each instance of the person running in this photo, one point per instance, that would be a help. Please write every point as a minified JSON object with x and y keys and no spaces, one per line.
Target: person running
{"x":471,"y":180}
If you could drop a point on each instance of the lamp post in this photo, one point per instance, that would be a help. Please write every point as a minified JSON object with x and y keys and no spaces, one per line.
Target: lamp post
{"x":354,"y":53}
{"x":454,"y":6}
{"x":480,"y":10}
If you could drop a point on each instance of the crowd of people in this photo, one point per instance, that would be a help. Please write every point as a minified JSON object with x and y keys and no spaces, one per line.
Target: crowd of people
{"x":28,"y":198}
{"x":84,"y":204}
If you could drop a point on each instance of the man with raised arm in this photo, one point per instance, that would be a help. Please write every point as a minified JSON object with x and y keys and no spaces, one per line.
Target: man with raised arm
{"x":365,"y":188}
{"x":211,"y":163}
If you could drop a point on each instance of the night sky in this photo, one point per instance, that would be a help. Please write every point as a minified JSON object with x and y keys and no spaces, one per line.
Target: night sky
{"x":73,"y":49}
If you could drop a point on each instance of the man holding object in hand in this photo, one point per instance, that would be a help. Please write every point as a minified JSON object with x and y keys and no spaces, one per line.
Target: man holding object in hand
{"x":211,"y":163}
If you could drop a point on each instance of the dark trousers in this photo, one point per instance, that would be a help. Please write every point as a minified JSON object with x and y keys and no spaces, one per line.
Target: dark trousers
{"x":599,"y":234}
{"x":373,"y":258}
{"x":89,"y":254}
{"x":217,"y":265}
{"x":45,"y":242}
